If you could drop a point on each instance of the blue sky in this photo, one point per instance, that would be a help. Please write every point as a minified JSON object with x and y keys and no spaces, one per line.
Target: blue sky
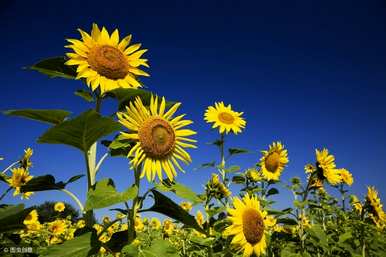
{"x":308,"y":73}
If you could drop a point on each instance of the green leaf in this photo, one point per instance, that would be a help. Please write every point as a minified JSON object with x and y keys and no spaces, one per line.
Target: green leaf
{"x":118,"y":241}
{"x":55,"y":67}
{"x":80,"y":132}
{"x":164,"y":205}
{"x":46,"y":182}
{"x":12,"y":217}
{"x":232,"y":169}
{"x":234,"y":151}
{"x":272,"y":191}
{"x":238,"y":179}
{"x":104,"y":194}
{"x":206,"y":165}
{"x":127,"y":95}
{"x":78,"y":247}
{"x":86,"y":95}
{"x":119,"y":146}
{"x":318,"y":232}
{"x":130,"y":250}
{"x":47,"y":116}
{"x":160,"y":247}
{"x":180,"y":190}
{"x":344,"y":237}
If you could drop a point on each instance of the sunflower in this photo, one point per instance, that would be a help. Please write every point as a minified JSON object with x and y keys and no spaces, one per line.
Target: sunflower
{"x":57,"y":227}
{"x":346,"y":176}
{"x":273,"y":161}
{"x":356,"y":203}
{"x":160,"y":139}
{"x":168,"y":227}
{"x":253,"y":175}
{"x":31,"y":218}
{"x":200,"y":218}
{"x":224,"y":118}
{"x":248,"y":226}
{"x":187,"y":206}
{"x":105,"y":62}
{"x":375,"y":207}
{"x":59,"y":207}
{"x":155,"y":223}
{"x":26,"y":162}
{"x":326,"y":162}
{"x":309,"y":168}
{"x":20,"y":177}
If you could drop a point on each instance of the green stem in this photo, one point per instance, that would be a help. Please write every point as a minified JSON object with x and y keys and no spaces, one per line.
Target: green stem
{"x":133,"y":211}
{"x":76,"y":199}
{"x":9,"y":167}
{"x":5,"y":193}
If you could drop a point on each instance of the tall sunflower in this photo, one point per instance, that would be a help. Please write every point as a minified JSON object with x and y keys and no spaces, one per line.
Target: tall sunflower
{"x":326,"y":162}
{"x":274,"y":161}
{"x":105,"y":62}
{"x":160,"y":138}
{"x":249,"y":225}
{"x":346,"y":176}
{"x":224,"y":118}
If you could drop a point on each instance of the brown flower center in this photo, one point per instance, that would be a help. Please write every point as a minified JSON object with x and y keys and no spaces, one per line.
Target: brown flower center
{"x":157,"y":137}
{"x":108,"y":61}
{"x":253,"y":226}
{"x":226,"y":118}
{"x":272,"y":161}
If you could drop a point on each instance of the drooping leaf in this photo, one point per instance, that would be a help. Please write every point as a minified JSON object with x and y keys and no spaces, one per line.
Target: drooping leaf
{"x":234,"y":151}
{"x":104,"y":194}
{"x":206,"y":165}
{"x":55,"y":67}
{"x":127,"y":95}
{"x":287,"y":221}
{"x":164,"y":205}
{"x":232,"y":169}
{"x":180,"y":190}
{"x":47,"y":116}
{"x":80,"y":132}
{"x":46,"y":182}
{"x":12,"y":217}
{"x":78,"y":247}
{"x":86,"y":95}
{"x":272,"y":191}
{"x":238,"y":179}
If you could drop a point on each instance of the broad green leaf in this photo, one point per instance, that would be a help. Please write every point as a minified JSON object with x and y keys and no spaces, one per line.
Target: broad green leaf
{"x":180,"y":190}
{"x":160,"y":247}
{"x":344,"y":237}
{"x":130,"y":250}
{"x":47,"y":116}
{"x":206,"y":165}
{"x":164,"y":205}
{"x":55,"y":67}
{"x":104,"y":194}
{"x":86,"y":95}
{"x":78,"y":247}
{"x":12,"y":217}
{"x":318,"y":232}
{"x":118,"y":241}
{"x":80,"y":132}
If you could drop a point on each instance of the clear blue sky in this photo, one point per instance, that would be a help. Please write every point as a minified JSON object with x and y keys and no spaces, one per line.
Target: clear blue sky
{"x":311,"y":74}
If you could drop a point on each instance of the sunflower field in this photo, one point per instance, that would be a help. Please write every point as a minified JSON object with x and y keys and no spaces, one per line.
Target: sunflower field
{"x":234,"y":214}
